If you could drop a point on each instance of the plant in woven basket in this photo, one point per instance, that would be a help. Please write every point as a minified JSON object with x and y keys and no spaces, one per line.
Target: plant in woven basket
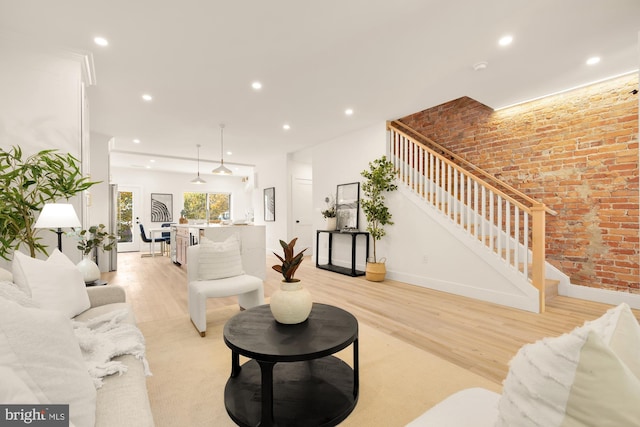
{"x":290,"y":262}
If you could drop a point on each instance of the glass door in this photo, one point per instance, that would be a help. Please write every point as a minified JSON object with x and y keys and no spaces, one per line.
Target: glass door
{"x":128,"y":211}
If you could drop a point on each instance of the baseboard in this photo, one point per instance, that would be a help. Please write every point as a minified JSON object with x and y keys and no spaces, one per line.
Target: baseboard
{"x":605,"y":296}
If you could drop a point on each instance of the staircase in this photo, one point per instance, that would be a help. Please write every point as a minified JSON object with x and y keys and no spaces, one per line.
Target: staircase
{"x":506,"y":221}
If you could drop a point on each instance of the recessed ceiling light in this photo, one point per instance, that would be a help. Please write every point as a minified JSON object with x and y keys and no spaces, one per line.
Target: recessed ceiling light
{"x":147,"y":97}
{"x":348,"y":111}
{"x":229,"y":153}
{"x":101,"y":41}
{"x":256,"y":85}
{"x":152,"y":160}
{"x":286,"y":126}
{"x":505,"y":40}
{"x":479,"y":66}
{"x":136,"y":141}
{"x":593,"y":60}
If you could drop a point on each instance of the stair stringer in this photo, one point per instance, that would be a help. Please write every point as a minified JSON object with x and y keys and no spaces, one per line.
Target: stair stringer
{"x":520,"y":294}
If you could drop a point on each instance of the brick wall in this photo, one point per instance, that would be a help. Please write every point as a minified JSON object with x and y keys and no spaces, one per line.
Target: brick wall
{"x":577,"y":152}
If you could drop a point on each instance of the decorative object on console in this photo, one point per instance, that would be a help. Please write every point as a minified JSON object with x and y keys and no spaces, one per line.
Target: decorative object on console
{"x":379,"y":179}
{"x":270,"y":204}
{"x":222,"y":170}
{"x":183,"y":219}
{"x":27,"y":184}
{"x":347,"y":203}
{"x":58,"y":216}
{"x":197,"y":179}
{"x":329,"y":214}
{"x":291,"y":304}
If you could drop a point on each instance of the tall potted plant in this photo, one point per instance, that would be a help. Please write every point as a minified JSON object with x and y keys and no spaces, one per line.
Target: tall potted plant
{"x":26,"y":184}
{"x":379,"y":180}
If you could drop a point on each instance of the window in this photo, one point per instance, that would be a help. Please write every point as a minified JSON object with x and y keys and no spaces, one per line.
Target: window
{"x":211,"y":207}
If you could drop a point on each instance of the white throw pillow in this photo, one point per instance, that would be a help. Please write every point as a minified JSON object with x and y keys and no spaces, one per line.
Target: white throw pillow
{"x":55,"y":284}
{"x":5,"y":275}
{"x":40,"y":348}
{"x":11,"y":292}
{"x":619,"y":329}
{"x":218,"y":260}
{"x":572,"y":380}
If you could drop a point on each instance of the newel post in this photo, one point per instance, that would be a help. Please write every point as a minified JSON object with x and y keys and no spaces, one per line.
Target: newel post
{"x":538,"y":250}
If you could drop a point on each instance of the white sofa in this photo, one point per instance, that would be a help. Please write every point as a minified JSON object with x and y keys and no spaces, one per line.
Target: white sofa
{"x":122,"y":400}
{"x":587,"y":378}
{"x":43,"y":356}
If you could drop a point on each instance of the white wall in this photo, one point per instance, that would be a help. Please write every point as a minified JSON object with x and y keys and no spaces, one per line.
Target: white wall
{"x":340,"y":161}
{"x":273,"y":172}
{"x":40,"y":108}
{"x":151,"y":181}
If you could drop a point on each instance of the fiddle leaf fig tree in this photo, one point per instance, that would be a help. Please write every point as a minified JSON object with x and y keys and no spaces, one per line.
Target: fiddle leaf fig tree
{"x":379,"y":179}
{"x":26,"y":184}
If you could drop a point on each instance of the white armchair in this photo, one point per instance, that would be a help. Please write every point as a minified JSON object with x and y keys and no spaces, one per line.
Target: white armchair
{"x":249,"y":289}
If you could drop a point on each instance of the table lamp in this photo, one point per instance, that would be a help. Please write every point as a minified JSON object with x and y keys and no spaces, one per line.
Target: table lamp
{"x":58,"y":215}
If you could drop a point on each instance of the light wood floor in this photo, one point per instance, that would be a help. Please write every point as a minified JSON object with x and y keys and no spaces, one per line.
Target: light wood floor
{"x":475,"y":335}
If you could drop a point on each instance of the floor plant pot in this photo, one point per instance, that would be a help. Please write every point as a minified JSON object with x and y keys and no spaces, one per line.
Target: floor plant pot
{"x":291,"y":304}
{"x":89,"y":269}
{"x":375,"y":271}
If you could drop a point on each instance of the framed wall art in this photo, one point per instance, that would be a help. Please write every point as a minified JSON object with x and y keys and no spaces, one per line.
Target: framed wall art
{"x":347,"y":204}
{"x":270,"y":204}
{"x":161,"y":207}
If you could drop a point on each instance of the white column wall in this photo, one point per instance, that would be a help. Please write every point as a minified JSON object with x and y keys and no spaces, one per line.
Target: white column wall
{"x":40,"y":108}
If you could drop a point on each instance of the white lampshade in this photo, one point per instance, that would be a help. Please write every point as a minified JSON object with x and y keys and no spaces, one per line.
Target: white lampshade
{"x":57,"y":215}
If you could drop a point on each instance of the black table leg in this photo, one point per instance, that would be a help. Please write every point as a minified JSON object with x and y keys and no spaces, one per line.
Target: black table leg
{"x":356,"y":369}
{"x":235,"y":364}
{"x":266,"y":371}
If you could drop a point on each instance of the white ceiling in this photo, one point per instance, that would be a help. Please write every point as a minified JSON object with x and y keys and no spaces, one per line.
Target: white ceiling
{"x":383,"y":58}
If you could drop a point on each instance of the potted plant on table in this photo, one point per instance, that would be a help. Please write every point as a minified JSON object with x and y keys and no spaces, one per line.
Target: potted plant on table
{"x":329,"y":214}
{"x":379,"y":180}
{"x":94,"y":238}
{"x":291,"y":304}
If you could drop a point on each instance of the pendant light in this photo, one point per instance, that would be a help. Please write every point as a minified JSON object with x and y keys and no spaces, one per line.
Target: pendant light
{"x":198,"y":180}
{"x":222,"y":170}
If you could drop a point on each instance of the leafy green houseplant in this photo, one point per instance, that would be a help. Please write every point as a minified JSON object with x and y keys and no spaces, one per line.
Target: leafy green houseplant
{"x":330,"y":211}
{"x":291,"y":304}
{"x":26,"y":184}
{"x":379,"y":180}
{"x":94,"y":237}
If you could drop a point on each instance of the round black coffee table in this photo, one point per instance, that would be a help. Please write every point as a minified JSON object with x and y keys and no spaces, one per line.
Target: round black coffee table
{"x":313,"y":388}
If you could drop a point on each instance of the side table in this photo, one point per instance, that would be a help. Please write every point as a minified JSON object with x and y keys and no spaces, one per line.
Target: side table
{"x":293,"y":379}
{"x":336,"y":268}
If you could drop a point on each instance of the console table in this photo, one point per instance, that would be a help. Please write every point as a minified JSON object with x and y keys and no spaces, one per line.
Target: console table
{"x":336,"y":268}
{"x":293,"y":379}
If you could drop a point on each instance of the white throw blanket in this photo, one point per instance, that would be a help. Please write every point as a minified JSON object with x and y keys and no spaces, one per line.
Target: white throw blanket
{"x":105,"y":337}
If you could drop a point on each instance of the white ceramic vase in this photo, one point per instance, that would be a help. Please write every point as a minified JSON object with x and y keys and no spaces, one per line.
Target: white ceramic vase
{"x":89,"y":269}
{"x":291,"y":304}
{"x":332,"y":223}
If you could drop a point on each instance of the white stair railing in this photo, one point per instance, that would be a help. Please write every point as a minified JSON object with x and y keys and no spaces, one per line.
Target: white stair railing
{"x":507,"y":222}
